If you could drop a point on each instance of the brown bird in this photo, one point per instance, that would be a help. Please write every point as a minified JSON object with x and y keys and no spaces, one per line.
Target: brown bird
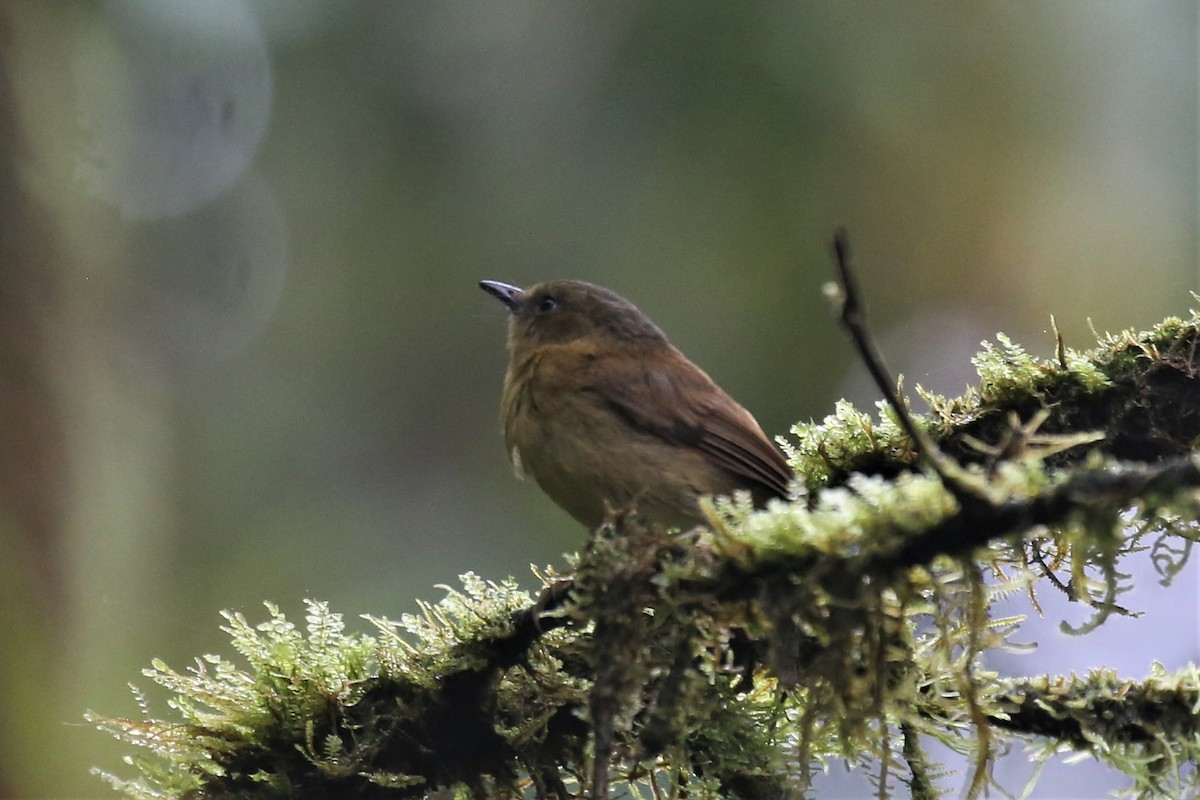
{"x":606,"y":414}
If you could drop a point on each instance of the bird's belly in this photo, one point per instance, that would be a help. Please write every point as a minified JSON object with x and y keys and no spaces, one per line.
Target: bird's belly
{"x":591,"y":469}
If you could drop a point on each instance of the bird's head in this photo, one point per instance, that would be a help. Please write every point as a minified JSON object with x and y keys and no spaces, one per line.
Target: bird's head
{"x":565,"y":311}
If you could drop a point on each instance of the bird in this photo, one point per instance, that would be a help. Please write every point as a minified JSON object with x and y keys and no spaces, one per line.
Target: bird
{"x":607,"y":416}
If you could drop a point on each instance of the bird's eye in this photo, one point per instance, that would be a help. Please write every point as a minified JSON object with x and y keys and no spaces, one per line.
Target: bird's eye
{"x":547,"y":304}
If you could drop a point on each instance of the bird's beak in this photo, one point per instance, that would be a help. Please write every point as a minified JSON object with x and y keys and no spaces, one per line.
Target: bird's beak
{"x":506,"y":293}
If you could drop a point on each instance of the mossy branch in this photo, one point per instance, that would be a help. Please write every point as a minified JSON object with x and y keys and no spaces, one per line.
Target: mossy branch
{"x":850,"y":623}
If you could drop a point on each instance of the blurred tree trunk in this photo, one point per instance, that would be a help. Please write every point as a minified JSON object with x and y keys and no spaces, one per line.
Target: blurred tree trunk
{"x":32,"y":456}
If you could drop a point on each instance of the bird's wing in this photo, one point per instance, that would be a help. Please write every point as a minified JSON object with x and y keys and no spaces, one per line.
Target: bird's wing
{"x":683,"y":405}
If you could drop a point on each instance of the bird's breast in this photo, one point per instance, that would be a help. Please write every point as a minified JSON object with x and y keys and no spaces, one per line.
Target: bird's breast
{"x":557,"y":432}
{"x":546,"y":396}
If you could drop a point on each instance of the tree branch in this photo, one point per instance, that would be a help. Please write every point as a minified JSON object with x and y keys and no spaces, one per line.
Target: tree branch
{"x":706,"y":663}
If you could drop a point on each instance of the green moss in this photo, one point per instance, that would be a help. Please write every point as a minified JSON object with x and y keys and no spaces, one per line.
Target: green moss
{"x":1134,"y":387}
{"x":1148,"y":729}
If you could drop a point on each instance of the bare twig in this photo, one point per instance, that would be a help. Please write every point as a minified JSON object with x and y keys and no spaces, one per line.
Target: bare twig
{"x":853,"y":316}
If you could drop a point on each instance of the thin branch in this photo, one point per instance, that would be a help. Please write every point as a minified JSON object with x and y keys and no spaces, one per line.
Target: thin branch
{"x":1100,"y":707}
{"x":854,"y":320}
{"x":975,"y":526}
{"x":920,"y":781}
{"x":1090,"y":488}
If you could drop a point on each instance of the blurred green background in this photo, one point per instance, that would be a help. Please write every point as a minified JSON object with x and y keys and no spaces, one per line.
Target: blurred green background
{"x":242,"y":351}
